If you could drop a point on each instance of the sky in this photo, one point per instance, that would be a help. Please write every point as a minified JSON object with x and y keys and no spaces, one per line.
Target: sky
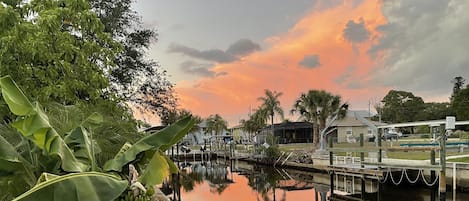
{"x":222,"y":54}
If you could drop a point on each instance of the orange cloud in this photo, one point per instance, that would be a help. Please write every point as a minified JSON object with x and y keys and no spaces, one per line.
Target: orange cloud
{"x":277,"y":68}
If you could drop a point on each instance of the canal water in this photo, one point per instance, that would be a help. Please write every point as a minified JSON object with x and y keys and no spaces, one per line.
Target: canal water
{"x":225,"y":180}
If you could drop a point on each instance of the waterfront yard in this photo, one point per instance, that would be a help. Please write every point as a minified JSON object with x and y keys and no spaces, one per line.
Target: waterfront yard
{"x":411,"y":155}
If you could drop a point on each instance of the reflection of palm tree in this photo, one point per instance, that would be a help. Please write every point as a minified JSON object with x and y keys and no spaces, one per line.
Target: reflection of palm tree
{"x":188,"y":180}
{"x":218,"y":188}
{"x":216,"y":176}
{"x":264,"y":182}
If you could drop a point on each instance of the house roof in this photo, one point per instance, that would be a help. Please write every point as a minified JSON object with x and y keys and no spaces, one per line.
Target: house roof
{"x":290,"y":125}
{"x":353,"y":119}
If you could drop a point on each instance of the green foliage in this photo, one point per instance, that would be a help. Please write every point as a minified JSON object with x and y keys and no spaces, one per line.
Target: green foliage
{"x":63,"y":48}
{"x":458,"y":85}
{"x":9,"y":158}
{"x":85,"y":186}
{"x":134,"y":78}
{"x":74,"y":151}
{"x":401,"y":106}
{"x":160,"y":141}
{"x":434,"y":111}
{"x":317,"y":107}
{"x":216,"y":123}
{"x":460,"y":104}
{"x":422,"y":129}
{"x":270,"y":106}
{"x":173,"y":115}
{"x":35,"y":126}
{"x":255,"y":122}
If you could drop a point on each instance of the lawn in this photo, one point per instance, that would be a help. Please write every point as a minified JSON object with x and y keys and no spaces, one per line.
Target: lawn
{"x":411,"y":155}
{"x":460,"y":160}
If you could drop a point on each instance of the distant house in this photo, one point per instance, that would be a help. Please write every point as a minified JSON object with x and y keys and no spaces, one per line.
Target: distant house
{"x":288,"y":132}
{"x":353,"y":124}
{"x":241,"y":136}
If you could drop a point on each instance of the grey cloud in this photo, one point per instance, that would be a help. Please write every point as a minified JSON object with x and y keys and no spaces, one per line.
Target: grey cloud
{"x":327,"y":4}
{"x":310,"y":61}
{"x":355,"y":85}
{"x":209,"y":55}
{"x":243,"y":47}
{"x":221,"y":74}
{"x":240,"y":48}
{"x":423,"y":45}
{"x":356,"y":32}
{"x":197,"y":69}
{"x":345,"y":75}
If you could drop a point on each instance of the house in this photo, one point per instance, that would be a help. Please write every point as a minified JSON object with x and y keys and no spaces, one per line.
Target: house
{"x":241,"y":136}
{"x":353,"y":124}
{"x":288,"y":132}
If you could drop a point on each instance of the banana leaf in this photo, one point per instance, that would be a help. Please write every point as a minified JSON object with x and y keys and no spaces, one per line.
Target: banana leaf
{"x":156,"y":170}
{"x":9,"y":158}
{"x":161,"y":141}
{"x":16,"y":174}
{"x":34,"y":125}
{"x":90,"y":186}
{"x":79,"y":140}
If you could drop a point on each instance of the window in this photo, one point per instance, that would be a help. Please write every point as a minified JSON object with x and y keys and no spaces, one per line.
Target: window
{"x":348,"y":131}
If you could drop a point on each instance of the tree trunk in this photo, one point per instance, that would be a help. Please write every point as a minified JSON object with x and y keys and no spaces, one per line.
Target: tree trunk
{"x":316,"y":134}
{"x":272,"y":128}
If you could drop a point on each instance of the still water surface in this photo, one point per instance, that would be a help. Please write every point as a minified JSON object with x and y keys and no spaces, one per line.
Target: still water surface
{"x":239,"y":181}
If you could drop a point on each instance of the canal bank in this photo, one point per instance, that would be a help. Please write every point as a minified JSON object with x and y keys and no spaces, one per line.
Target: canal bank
{"x":320,"y":163}
{"x":253,"y":181}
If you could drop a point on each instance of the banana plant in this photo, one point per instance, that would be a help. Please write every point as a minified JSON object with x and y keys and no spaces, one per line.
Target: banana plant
{"x":74,"y":153}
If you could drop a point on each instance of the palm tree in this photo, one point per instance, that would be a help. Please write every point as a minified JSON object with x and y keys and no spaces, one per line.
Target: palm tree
{"x":215,"y":123}
{"x":317,"y":107}
{"x":270,"y":106}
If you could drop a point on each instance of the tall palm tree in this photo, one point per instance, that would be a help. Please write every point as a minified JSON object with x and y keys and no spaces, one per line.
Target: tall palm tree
{"x":317,"y":107}
{"x":270,"y":106}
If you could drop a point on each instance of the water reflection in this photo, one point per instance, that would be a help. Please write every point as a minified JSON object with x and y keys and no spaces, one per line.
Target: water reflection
{"x":239,"y":181}
{"x":230,"y":180}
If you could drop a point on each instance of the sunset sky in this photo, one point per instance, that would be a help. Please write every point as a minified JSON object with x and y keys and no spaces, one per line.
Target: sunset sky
{"x":222,"y":54}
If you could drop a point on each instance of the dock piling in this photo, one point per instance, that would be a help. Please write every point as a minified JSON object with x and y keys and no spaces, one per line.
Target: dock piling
{"x":442,"y":183}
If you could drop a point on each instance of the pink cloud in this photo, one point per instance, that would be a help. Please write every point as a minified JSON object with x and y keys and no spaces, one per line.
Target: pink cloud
{"x":277,"y":68}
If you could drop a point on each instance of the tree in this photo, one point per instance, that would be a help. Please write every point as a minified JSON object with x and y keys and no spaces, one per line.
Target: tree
{"x":270,"y":106}
{"x":317,"y":107}
{"x":434,"y":111}
{"x":216,"y":124}
{"x":458,"y":85}
{"x":460,"y":104}
{"x":134,"y":78}
{"x":59,"y":52}
{"x":78,"y":52}
{"x":401,"y":106}
{"x":56,"y":51}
